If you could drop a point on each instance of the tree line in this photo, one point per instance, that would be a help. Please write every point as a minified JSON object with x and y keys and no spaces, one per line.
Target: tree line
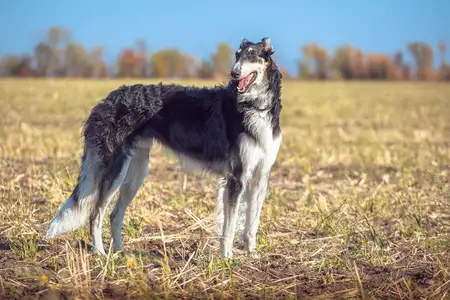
{"x":58,"y":55}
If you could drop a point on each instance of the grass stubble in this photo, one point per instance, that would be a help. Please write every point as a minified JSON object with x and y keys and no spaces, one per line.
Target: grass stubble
{"x":358,"y":204}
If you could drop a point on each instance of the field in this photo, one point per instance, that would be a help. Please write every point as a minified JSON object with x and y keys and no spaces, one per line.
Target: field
{"x":358,"y":204}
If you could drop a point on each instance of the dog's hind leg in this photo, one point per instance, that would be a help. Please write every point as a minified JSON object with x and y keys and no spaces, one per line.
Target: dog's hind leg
{"x":111,"y":182}
{"x":136,"y":175}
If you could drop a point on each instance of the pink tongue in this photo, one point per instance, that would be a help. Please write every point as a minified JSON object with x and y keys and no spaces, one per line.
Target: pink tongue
{"x":244,"y":81}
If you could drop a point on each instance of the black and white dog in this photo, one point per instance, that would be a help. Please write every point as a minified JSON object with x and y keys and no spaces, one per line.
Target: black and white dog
{"x":232,"y":131}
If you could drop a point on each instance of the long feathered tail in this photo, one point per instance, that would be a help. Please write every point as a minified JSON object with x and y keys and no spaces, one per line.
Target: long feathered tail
{"x":75,"y":211}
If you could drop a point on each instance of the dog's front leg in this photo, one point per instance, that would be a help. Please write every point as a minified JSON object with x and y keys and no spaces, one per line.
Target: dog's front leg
{"x":257,"y":190}
{"x":232,"y":197}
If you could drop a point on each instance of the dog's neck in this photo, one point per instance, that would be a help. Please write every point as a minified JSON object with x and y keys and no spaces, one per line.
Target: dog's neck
{"x":261,"y":101}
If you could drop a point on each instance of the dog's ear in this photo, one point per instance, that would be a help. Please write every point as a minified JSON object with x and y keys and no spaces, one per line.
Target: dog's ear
{"x":244,"y":43}
{"x":267,"y":47}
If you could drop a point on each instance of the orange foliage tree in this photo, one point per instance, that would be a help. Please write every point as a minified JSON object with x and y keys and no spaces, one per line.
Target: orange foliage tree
{"x":129,"y":64}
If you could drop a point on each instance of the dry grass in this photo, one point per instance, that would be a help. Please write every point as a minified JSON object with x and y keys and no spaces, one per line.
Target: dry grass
{"x":358,"y":207}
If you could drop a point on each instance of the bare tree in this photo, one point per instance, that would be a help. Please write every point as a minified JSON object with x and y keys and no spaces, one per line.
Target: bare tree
{"x":49,"y":54}
{"x":141,"y":46}
{"x":97,"y":65}
{"x":43,"y":54}
{"x":76,"y":60}
{"x":423,"y":57}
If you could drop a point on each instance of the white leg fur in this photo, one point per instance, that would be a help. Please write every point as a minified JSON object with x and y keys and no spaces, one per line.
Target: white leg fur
{"x":250,"y":156}
{"x":136,"y":175}
{"x":218,"y":212}
{"x":231,"y":214}
{"x":74,"y":213}
{"x":99,"y":212}
{"x":219,"y":209}
{"x":229,"y":225}
{"x":256,"y":196}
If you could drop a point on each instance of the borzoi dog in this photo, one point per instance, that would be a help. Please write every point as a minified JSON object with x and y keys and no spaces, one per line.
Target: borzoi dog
{"x":231,"y":131}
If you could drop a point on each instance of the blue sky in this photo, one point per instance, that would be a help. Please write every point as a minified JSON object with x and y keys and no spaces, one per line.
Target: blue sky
{"x":197,"y":26}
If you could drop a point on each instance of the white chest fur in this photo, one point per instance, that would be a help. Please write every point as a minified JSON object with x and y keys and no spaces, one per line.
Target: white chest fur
{"x":261,"y":153}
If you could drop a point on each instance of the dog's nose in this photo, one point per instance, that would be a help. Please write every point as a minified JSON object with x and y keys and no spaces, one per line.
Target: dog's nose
{"x":235,"y":74}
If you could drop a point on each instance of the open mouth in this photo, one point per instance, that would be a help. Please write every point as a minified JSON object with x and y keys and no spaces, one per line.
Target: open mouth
{"x":245,"y":82}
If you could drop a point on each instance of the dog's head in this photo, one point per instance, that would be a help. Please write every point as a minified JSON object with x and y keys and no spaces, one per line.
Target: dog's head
{"x":252,"y":61}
